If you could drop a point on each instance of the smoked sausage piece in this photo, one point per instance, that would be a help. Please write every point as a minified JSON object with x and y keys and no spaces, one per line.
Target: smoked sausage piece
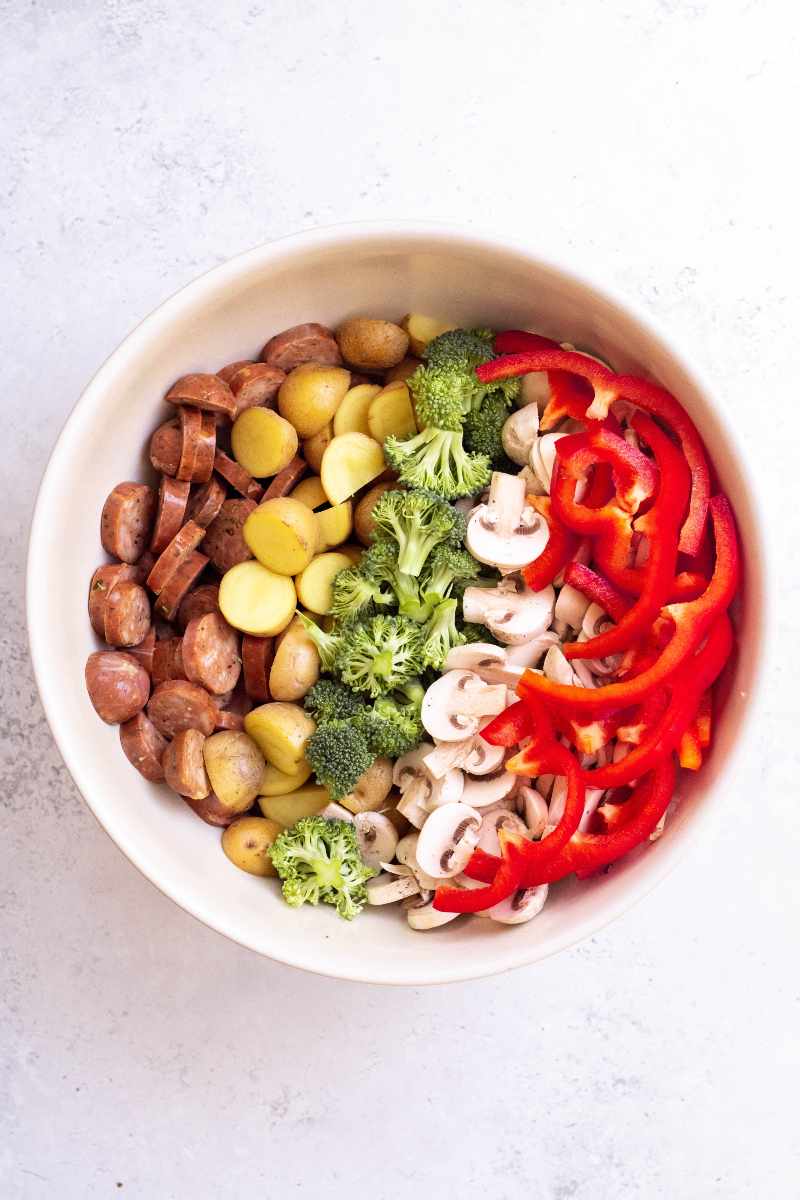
{"x":187,"y":539}
{"x":104,"y":580}
{"x":202,"y":600}
{"x":165,"y":447}
{"x":173,"y":497}
{"x":167,"y":660}
{"x":126,"y":520}
{"x":302,"y":344}
{"x":184,"y":769}
{"x":117,"y":684}
{"x":191,"y":422}
{"x":256,"y":383}
{"x":144,"y":652}
{"x":206,"y":449}
{"x":143,"y":746}
{"x":224,"y":543}
{"x":181,"y":582}
{"x":257,"y":656}
{"x":208,"y":392}
{"x":126,"y":620}
{"x":177,"y":705}
{"x":207,"y":502}
{"x":237,"y":477}
{"x":226,"y":374}
{"x":286,"y":479}
{"x":211,"y":653}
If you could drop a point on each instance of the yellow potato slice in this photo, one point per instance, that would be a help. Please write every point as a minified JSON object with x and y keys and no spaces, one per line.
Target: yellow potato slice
{"x":421,"y":330}
{"x":282,"y":533}
{"x":256,"y":600}
{"x":310,"y":395}
{"x":315,"y":583}
{"x":390,"y":413}
{"x":315,"y":447}
{"x":278,"y":783}
{"x":262,"y":442}
{"x":350,"y":462}
{"x":310,"y":492}
{"x":351,"y":415}
{"x":334,"y":525}
{"x":288,"y":810}
{"x":281,"y":732}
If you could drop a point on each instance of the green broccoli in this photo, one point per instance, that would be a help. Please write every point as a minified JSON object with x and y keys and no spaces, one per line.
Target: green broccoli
{"x":381,"y":654}
{"x":449,"y":570}
{"x":355,"y":594}
{"x":436,"y":461}
{"x":483,"y":430}
{"x":380,"y":563}
{"x":445,"y":387}
{"x":327,"y":643}
{"x":339,"y":756}
{"x":330,"y":700}
{"x":418,"y":523}
{"x":441,"y":634}
{"x":390,"y":727}
{"x":319,"y":860}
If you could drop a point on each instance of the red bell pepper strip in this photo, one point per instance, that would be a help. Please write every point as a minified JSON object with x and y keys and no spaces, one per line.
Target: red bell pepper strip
{"x":703,"y":720}
{"x":518,"y":341}
{"x":609,"y":387}
{"x":690,"y":622}
{"x":635,"y":477}
{"x":561,"y":547}
{"x":597,"y":589}
{"x":570,"y":395}
{"x":662,"y":524}
{"x":510,"y":727}
{"x":544,"y":757}
{"x":506,"y":881}
{"x":690,"y":754}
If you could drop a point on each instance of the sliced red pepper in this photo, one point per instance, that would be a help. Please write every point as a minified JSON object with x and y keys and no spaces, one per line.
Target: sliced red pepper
{"x":597,"y":589}
{"x":635,"y":477}
{"x":690,"y":622}
{"x":510,"y":727}
{"x":608,"y":387}
{"x":690,"y":754}
{"x":588,"y":736}
{"x":561,"y":547}
{"x":544,"y":757}
{"x":703,"y":720}
{"x":506,"y":881}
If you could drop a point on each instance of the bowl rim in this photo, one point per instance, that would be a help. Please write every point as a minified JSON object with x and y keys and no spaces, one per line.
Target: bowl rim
{"x":452,"y":235}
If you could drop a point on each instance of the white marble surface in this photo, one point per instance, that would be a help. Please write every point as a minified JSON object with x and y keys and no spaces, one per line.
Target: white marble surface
{"x":144,"y":1055}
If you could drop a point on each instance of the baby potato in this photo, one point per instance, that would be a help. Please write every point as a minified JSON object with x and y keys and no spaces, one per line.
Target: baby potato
{"x":303,"y":802}
{"x":364,"y":524}
{"x":247,"y":841}
{"x":334,"y":525}
{"x":390,"y":413}
{"x":371,"y":790}
{"x":282,"y":533}
{"x":256,"y":600}
{"x":422,"y":330}
{"x":370,"y":344}
{"x":281,"y":732}
{"x":314,"y":585}
{"x":295,"y":667}
{"x":351,"y":415}
{"x":310,"y":395}
{"x":349,"y":463}
{"x":314,"y":448}
{"x":262,"y":442}
{"x":277,"y":783}
{"x":403,"y":369}
{"x":310,"y":492}
{"x":234,"y":765}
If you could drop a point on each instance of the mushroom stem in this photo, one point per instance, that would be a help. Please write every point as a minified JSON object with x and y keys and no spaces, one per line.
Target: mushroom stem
{"x":506,"y":502}
{"x":485,"y":701}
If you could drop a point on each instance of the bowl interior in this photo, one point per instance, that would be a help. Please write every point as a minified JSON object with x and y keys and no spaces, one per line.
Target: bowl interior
{"x":228,"y":314}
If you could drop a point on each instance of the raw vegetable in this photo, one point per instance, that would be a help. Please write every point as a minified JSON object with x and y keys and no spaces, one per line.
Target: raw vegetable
{"x":418,"y":524}
{"x":281,"y":732}
{"x":436,"y":461}
{"x":263,"y":442}
{"x":310,"y":395}
{"x":318,"y":860}
{"x":282,"y":534}
{"x":351,"y":415}
{"x":334,"y":525}
{"x":276,"y":783}
{"x":315,"y":583}
{"x":234,"y":764}
{"x":247,"y":844}
{"x":256,"y":600}
{"x":381,"y":654}
{"x":288,"y":808}
{"x":350,"y":462}
{"x":390,"y":413}
{"x":296,"y":664}
{"x":371,"y":345}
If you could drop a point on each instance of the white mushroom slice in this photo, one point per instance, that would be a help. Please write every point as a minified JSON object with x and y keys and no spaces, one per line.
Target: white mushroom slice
{"x":530,"y":654}
{"x":560,"y":628}
{"x":473,"y":754}
{"x":410,"y":775}
{"x":488,"y":790}
{"x":377,"y":838}
{"x":513,"y":617}
{"x":506,"y":533}
{"x":486,"y":660}
{"x":454,"y":704}
{"x":492,"y":823}
{"x":520,"y":432}
{"x":406,"y":854}
{"x":413,"y":811}
{"x":595,"y":620}
{"x":557,"y":801}
{"x":447,"y":840}
{"x":542,"y":458}
{"x":571,"y":606}
{"x":558,"y":668}
{"x":591,"y":802}
{"x":335,"y":812}
{"x":532,"y":485}
{"x":534,"y":811}
{"x":535,"y":389}
{"x":421,"y":914}
{"x":446,"y":790}
{"x":388,"y":889}
{"x":544,"y":786}
{"x":520,"y":907}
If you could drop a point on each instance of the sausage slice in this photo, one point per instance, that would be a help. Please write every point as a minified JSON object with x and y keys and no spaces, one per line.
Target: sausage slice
{"x":144,"y":652}
{"x":224,"y":543}
{"x":208,"y":392}
{"x":168,"y":660}
{"x":286,"y":479}
{"x":187,"y":539}
{"x":126,"y":520}
{"x":126,"y":620}
{"x":237,"y":477}
{"x":143,"y":746}
{"x":302,"y":344}
{"x":104,"y":580}
{"x":256,"y":383}
{"x":181,"y":582}
{"x":257,"y":656}
{"x":184,"y":769}
{"x":191,"y":422}
{"x":165,"y":447}
{"x":117,"y":684}
{"x":173,"y":497}
{"x":226,"y":374}
{"x":177,"y":705}
{"x":211,"y":653}
{"x":202,"y":600}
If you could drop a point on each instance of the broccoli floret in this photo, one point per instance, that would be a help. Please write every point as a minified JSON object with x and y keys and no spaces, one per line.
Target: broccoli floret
{"x":449,"y":570}
{"x":483,"y":432}
{"x":381,"y":654}
{"x":327,"y":643}
{"x":355,"y":594}
{"x":436,"y":461}
{"x":330,"y":700}
{"x":418,"y":523}
{"x":319,"y":860}
{"x":441,"y":634}
{"x":380,"y":563}
{"x":445,"y":388}
{"x":412,"y":692}
{"x":391,"y":727}
{"x":339,"y":756}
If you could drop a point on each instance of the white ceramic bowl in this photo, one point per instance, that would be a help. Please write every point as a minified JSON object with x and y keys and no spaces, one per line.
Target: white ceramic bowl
{"x":326,"y":275}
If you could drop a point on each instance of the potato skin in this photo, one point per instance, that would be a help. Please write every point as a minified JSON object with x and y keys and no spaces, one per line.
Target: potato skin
{"x":403,"y":369}
{"x":371,"y":790}
{"x":278,"y":783}
{"x":234,"y":765}
{"x":362,"y":517}
{"x":282,"y":534}
{"x":296,"y":666}
{"x":246,"y":843}
{"x":371,"y":344}
{"x":281,"y":731}
{"x":310,"y":395}
{"x":315,"y":447}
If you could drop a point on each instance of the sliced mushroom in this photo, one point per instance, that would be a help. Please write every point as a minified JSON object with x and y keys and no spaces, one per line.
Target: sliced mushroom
{"x":557,"y":801}
{"x":487,"y":660}
{"x":420,"y":791}
{"x":530,"y":654}
{"x":388,"y":889}
{"x":513,"y":616}
{"x":520,"y":907}
{"x":494,"y":821}
{"x":596,"y":621}
{"x":542,"y":458}
{"x":335,"y":812}
{"x":421,"y":914}
{"x":377,"y":838}
{"x":592,"y":800}
{"x":506,"y":532}
{"x":544,"y":786}
{"x":473,"y":755}
{"x":520,"y":432}
{"x":414,"y":812}
{"x":535,"y":389}
{"x":447,"y":840}
{"x":560,"y":670}
{"x":489,"y":789}
{"x":454,"y":704}
{"x":406,"y":855}
{"x":571,"y":606}
{"x":532,"y":485}
{"x":533,"y":808}
{"x":446,"y":790}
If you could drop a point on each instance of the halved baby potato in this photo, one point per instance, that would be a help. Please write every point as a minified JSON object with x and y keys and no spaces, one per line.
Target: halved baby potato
{"x":314,"y":447}
{"x":351,"y":415}
{"x":256,"y":600}
{"x":350,"y":462}
{"x":310,"y":492}
{"x":263,"y":442}
{"x":279,"y":783}
{"x":334,"y":525}
{"x":282,"y":533}
{"x":421,"y":330}
{"x":281,"y":732}
{"x":288,"y":809}
{"x":311,"y":394}
{"x":314,"y":585}
{"x":391,"y":414}
{"x":247,"y":841}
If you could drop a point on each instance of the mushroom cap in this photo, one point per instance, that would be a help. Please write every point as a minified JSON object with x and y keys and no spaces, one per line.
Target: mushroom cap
{"x":508,"y":552}
{"x":519,"y":907}
{"x":446,"y":790}
{"x":520,"y":432}
{"x":406,"y":855}
{"x":454,"y":704}
{"x":388,"y":889}
{"x":480,"y":792}
{"x":534,"y":811}
{"x":571,"y":606}
{"x":377,"y":838}
{"x":514,"y":617}
{"x":492,"y":822}
{"x":529,"y":654}
{"x":447,"y":840}
{"x":421,"y":914}
{"x":485,"y":659}
{"x":414,"y":812}
{"x":336,"y":812}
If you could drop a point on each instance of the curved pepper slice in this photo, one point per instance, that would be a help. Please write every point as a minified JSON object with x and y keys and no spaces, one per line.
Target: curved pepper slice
{"x":570,"y":395}
{"x":608,"y":387}
{"x":635,"y":477}
{"x":561,"y":546}
{"x":506,"y":880}
{"x":597,"y":589}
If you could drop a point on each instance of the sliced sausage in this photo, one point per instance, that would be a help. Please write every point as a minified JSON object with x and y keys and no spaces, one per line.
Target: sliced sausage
{"x":207,"y":502}
{"x":117,"y":684}
{"x":143,"y":746}
{"x":173,"y":497}
{"x":206,"y":449}
{"x":226,"y":719}
{"x":168,"y":660}
{"x":226,"y":374}
{"x":212,"y":811}
{"x":177,"y":705}
{"x":165,"y":447}
{"x":224,"y":543}
{"x":211,"y":653}
{"x":144,"y":566}
{"x":191,"y":422}
{"x":182,"y":581}
{"x":286,"y":479}
{"x":184,"y":769}
{"x":187,"y":539}
{"x":126,"y":620}
{"x":257,"y":656}
{"x":256,"y":383}
{"x":202,"y":600}
{"x":208,"y":392}
{"x":144,"y":652}
{"x":237,"y":477}
{"x":301,"y":344}
{"x":104,"y":580}
{"x":126,"y":520}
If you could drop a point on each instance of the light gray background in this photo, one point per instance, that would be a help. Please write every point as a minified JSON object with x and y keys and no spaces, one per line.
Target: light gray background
{"x":143,"y":142}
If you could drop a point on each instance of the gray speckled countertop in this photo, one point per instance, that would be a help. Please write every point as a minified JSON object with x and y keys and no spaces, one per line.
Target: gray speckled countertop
{"x":144,"y":1055}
